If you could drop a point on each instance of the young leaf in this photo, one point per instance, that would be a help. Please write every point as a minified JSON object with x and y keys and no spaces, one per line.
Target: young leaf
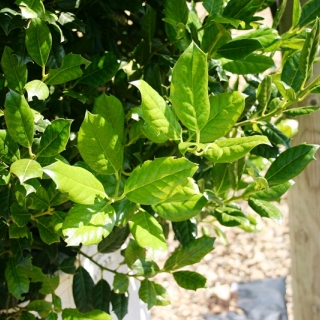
{"x":119,"y":304}
{"x":225,"y":110}
{"x":157,"y":113}
{"x":15,"y":74}
{"x":88,"y":224}
{"x":147,"y":231}
{"x":47,"y":231}
{"x":26,"y":169}
{"x":147,"y":293}
{"x":191,"y":253}
{"x":157,"y":180}
{"x":290,"y":163}
{"x":295,"y":112}
{"x":101,"y":69}
{"x":74,"y":314}
{"x":37,"y":88}
{"x":189,"y":280}
{"x":9,"y":150}
{"x":266,"y":209}
{"x":120,"y":283}
{"x":19,"y":119}
{"x":69,"y":70}
{"x":145,"y":267}
{"x":185,"y":231}
{"x":82,"y":288}
{"x":102,"y":296}
{"x":80,"y":185}
{"x":55,"y":138}
{"x":38,"y":41}
{"x":99,"y":145}
{"x":310,"y":11}
{"x":189,"y":88}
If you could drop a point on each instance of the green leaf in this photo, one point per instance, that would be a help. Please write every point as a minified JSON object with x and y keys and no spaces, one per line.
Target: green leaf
{"x":239,"y":49}
{"x":295,"y":112}
{"x":16,"y":232}
{"x":189,"y":88}
{"x":266,"y":209}
{"x":285,"y":90}
{"x":40,"y":306}
{"x":115,"y":240}
{"x":99,"y":145}
{"x":273,"y":193}
{"x":31,"y":8}
{"x":148,"y":24}
{"x":145,"y":267}
{"x":38,"y":41}
{"x":279,"y":14}
{"x":27,"y":316}
{"x":253,"y":63}
{"x":82,"y":288}
{"x":310,"y":11}
{"x":81,"y":185}
{"x":157,"y":113}
{"x":162,"y":297}
{"x":20,"y":215}
{"x":231,"y":217}
{"x":156,"y":180}
{"x":225,"y":110}
{"x":290,"y":163}
{"x":147,"y":293}
{"x":74,"y":314}
{"x":119,"y":304}
{"x":133,"y":252}
{"x":242,"y":9}
{"x":124,"y":210}
{"x":26,"y":169}
{"x":232,"y":149}
{"x":37,"y":88}
{"x":176,"y":10}
{"x":185,"y":231}
{"x":110,"y":108}
{"x":68,"y":265}
{"x":54,"y":138}
{"x":69,"y":70}
{"x":120,"y":283}
{"x":102,"y":296}
{"x":88,"y":224}
{"x":147,"y":231}
{"x":17,"y":280}
{"x":296,"y":12}
{"x":52,"y":316}
{"x":47,"y":231}
{"x":190,"y":280}
{"x":152,"y":134}
{"x":39,"y":198}
{"x":264,"y":91}
{"x":9,"y":150}
{"x":101,"y":69}
{"x":291,"y":72}
{"x":19,"y":119}
{"x":213,"y":6}
{"x":189,"y":254}
{"x":274,"y":135}
{"x":15,"y":74}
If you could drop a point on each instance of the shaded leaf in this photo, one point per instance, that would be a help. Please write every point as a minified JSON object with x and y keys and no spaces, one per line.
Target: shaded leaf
{"x":120,"y":283}
{"x":185,"y":231}
{"x":101,"y":296}
{"x":133,"y":252}
{"x":47,"y":231}
{"x":114,"y":240}
{"x":120,"y":304}
{"x":9,"y":150}
{"x":231,"y":217}
{"x":147,"y":293}
{"x":145,"y":267}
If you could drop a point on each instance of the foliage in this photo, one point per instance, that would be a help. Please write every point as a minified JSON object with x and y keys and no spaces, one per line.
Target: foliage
{"x":119,"y":120}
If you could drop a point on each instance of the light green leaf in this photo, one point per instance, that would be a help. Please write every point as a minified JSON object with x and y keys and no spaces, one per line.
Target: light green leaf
{"x":147,"y":231}
{"x":273,"y":193}
{"x":285,"y":90}
{"x":242,"y":9}
{"x":279,"y":14}
{"x":47,"y":231}
{"x":20,"y":215}
{"x":147,"y":293}
{"x":15,"y":74}
{"x":145,"y":267}
{"x":232,"y":149}
{"x":80,"y":184}
{"x":120,"y":283}
{"x":31,"y":9}
{"x":153,"y":135}
{"x":225,"y":110}
{"x":190,"y":280}
{"x":189,"y":88}
{"x":310,"y":11}
{"x":99,"y":145}
{"x":69,"y":70}
{"x":290,"y":163}
{"x":110,"y":108}
{"x":26,"y":169}
{"x":74,"y":314}
{"x":295,"y":112}
{"x":37,"y":88}
{"x":19,"y":119}
{"x":54,"y":138}
{"x":38,"y":41}
{"x":88,"y":224}
{"x":157,"y":113}
{"x":266,"y":209}
{"x":157,"y":180}
{"x":296,"y":12}
{"x":9,"y":150}
{"x":101,"y":69}
{"x":41,"y":306}
{"x":189,"y":254}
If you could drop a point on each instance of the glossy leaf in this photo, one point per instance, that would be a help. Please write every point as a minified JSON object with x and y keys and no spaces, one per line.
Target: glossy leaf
{"x":15,"y":74}
{"x":157,"y":180}
{"x":266,"y":209}
{"x":189,"y":254}
{"x":47,"y":231}
{"x":242,"y":9}
{"x":147,"y":231}
{"x":31,"y":8}
{"x":264,"y":91}
{"x":176,"y":11}
{"x":120,"y":283}
{"x":147,"y":293}
{"x":145,"y":267}
{"x":295,"y":112}
{"x":80,"y":185}
{"x":82,"y":288}
{"x":279,"y":14}
{"x":290,"y":163}
{"x":101,"y":296}
{"x":190,"y":280}
{"x":101,"y":69}
{"x":296,"y":12}
{"x":213,"y":6}
{"x":231,"y":217}
{"x":120,"y":304}
{"x":189,"y":88}
{"x":74,"y":314}
{"x":310,"y":11}
{"x":38,"y":41}
{"x":274,"y":134}
{"x":37,"y":88}
{"x":291,"y":73}
{"x":225,"y":109}
{"x":19,"y":119}
{"x":26,"y":169}
{"x":185,"y":231}
{"x":99,"y":145}
{"x":115,"y":240}
{"x":9,"y":150}
{"x":157,"y":113}
{"x":273,"y":193}
{"x":88,"y":224}
{"x":69,"y":70}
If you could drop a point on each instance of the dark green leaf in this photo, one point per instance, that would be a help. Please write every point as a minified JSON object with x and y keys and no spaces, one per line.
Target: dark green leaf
{"x":102,"y":296}
{"x":190,"y":280}
{"x":9,"y":150}
{"x":264,"y":91}
{"x":17,"y":232}
{"x":68,"y":265}
{"x":266,"y":209}
{"x":120,"y":283}
{"x":147,"y":293}
{"x":176,"y":10}
{"x":242,"y":9}
{"x":47,"y":231}
{"x":114,"y":240}
{"x":185,"y":231}
{"x":133,"y":252}
{"x":213,"y":6}
{"x":148,"y":24}
{"x":231,"y":217}
{"x":19,"y":215}
{"x":120,"y":304}
{"x":145,"y":267}
{"x":40,"y":306}
{"x":295,"y":112}
{"x":291,"y":73}
{"x":274,"y":134}
{"x":310,"y":11}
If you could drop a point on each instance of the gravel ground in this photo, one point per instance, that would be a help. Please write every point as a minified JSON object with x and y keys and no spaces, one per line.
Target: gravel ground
{"x":246,"y":257}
